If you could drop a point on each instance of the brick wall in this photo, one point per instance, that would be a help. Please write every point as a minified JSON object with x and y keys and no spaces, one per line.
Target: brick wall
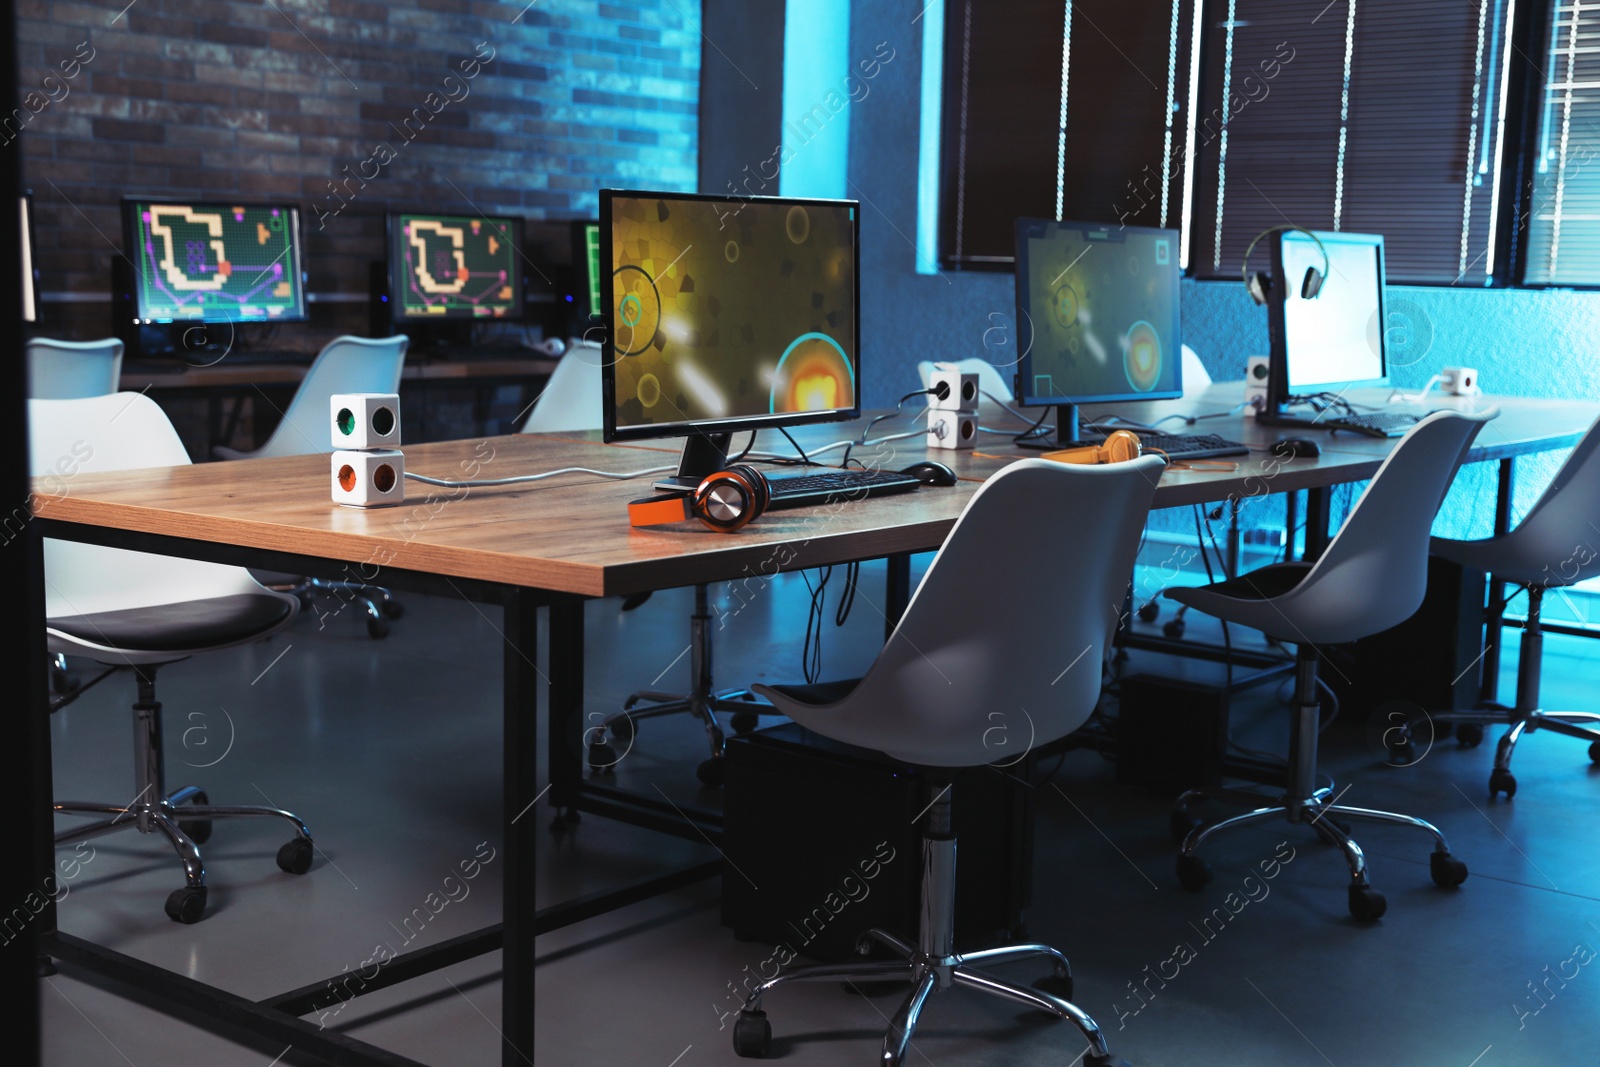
{"x":348,"y":108}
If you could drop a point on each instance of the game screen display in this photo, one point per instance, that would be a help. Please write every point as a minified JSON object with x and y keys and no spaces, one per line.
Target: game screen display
{"x":728,"y":309}
{"x":216,"y":262}
{"x":454,"y":267}
{"x":589,"y":269}
{"x":1097,"y":312}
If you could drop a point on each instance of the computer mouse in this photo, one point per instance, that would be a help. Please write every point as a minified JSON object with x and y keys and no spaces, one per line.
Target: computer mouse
{"x":1296,"y":447}
{"x":929,"y":472}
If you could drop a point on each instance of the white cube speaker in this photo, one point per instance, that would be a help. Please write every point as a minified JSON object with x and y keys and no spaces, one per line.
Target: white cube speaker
{"x":364,"y":420}
{"x":952,"y":429}
{"x":1256,"y":371}
{"x":369,"y":479}
{"x":1459,"y":381}
{"x":953,"y":390}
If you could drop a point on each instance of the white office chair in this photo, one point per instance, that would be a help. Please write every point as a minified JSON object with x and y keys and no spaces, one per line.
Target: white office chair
{"x":140,"y":611}
{"x":1196,"y":379}
{"x":990,"y":380}
{"x":345,"y":365}
{"x":930,"y":699}
{"x":65,"y":370}
{"x":1548,"y":550}
{"x":1371,"y":577}
{"x":571,"y":401}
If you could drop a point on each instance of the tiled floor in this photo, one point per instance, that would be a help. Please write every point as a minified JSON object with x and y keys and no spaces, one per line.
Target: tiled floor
{"x":390,"y":751}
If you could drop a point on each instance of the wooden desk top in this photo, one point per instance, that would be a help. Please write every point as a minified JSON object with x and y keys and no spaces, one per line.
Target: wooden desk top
{"x":224,"y":375}
{"x":570,"y":534}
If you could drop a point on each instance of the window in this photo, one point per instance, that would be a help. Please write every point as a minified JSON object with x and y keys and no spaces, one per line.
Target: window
{"x":1059,"y":109}
{"x":1222,"y":118}
{"x":1563,"y":226}
{"x":1368,"y":117}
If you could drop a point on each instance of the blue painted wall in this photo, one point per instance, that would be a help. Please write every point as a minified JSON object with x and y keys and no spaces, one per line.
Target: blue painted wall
{"x":1530,"y":343}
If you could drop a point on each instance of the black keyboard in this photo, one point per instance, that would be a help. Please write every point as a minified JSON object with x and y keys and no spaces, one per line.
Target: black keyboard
{"x":1190,"y":445}
{"x":822,"y":487}
{"x":1380,"y":424}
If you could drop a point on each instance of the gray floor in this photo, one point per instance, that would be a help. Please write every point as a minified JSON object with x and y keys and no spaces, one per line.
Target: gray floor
{"x":390,"y":750}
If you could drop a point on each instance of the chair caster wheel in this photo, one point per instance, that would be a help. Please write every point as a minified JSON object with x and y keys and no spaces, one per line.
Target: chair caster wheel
{"x":752,"y":1035}
{"x":1194,"y":873}
{"x":1149,"y":611}
{"x":744,"y":722}
{"x":377,"y":629}
{"x":1174,"y":628}
{"x":1057,"y":985}
{"x":1367,"y":904}
{"x":1402,"y":753}
{"x":1180,"y":825}
{"x":1448,"y":872}
{"x":393,"y":609}
{"x":295,"y":856}
{"x":602,"y":757}
{"x":197,"y":830}
{"x":1469,"y":734}
{"x":187,"y":905}
{"x":1594,"y":752}
{"x":710,"y":773}
{"x":1108,"y":1060}
{"x":1502,"y":782}
{"x":622,"y":728}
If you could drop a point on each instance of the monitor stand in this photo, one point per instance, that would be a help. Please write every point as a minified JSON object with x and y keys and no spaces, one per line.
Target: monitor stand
{"x":703,"y":454}
{"x":1066,"y":435}
{"x":1278,"y":417}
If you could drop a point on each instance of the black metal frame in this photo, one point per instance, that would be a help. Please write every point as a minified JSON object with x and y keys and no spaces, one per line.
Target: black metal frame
{"x":272,"y":1023}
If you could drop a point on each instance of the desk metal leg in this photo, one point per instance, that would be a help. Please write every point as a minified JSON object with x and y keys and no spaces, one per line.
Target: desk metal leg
{"x":897,"y":590}
{"x":566,"y":732}
{"x":521,"y":826}
{"x":1495,"y":611}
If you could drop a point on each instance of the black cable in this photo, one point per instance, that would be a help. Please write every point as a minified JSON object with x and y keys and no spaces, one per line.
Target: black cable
{"x":748,"y":446}
{"x":805,"y":460}
{"x":811,"y":651}
{"x":845,"y":461}
{"x":847,"y":599}
{"x":1032,"y":431}
{"x":1227,"y":638}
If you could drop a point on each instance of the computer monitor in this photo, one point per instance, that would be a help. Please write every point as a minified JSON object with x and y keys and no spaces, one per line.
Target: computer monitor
{"x":726,"y":314}
{"x":587,"y":296}
{"x":30,"y":274}
{"x":1335,"y":339}
{"x":1098,"y":317}
{"x":446,"y":268}
{"x":214,"y":261}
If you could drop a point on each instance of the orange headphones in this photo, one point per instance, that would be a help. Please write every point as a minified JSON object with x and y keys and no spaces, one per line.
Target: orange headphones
{"x":1120,"y":446}
{"x":724,"y":501}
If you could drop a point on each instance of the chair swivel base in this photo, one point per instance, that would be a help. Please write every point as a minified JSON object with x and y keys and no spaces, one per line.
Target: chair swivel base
{"x":752,"y":1033}
{"x":1526,"y":716}
{"x":184,"y":818}
{"x":1315,"y":811}
{"x":1469,"y":732}
{"x":932,"y":965}
{"x":615,"y":737}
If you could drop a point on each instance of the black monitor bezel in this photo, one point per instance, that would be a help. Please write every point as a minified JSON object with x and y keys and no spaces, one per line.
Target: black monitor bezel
{"x":519,"y":299}
{"x":770,"y":420}
{"x":1023,"y":381}
{"x":580,"y":275}
{"x":1278,"y":391}
{"x":130,"y":238}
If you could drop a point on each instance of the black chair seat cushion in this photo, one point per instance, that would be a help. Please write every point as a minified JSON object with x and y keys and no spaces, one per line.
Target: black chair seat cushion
{"x":1263,"y":583}
{"x":819,"y":693}
{"x":186,"y":625}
